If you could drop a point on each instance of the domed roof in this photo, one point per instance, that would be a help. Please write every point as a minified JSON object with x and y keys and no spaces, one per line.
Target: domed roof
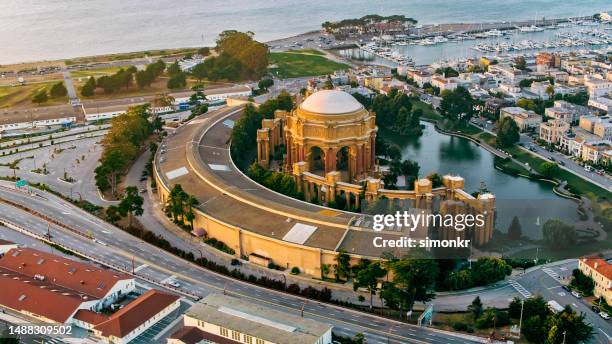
{"x":331,"y":102}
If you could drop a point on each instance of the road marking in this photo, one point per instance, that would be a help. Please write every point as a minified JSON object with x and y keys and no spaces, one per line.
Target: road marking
{"x":516,"y":285}
{"x":551,"y":273}
{"x":140,"y":267}
{"x":167,"y":279}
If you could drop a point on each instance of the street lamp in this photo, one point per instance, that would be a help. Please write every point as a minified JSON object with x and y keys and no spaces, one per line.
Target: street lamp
{"x":521,"y":318}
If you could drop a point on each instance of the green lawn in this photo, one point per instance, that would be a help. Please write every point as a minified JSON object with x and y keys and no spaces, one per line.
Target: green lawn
{"x":21,"y":95}
{"x":428,"y":111}
{"x":95,"y":72}
{"x":300,"y":63}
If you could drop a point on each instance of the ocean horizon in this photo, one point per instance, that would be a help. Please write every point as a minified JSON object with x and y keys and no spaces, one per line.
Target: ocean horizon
{"x":55,"y":29}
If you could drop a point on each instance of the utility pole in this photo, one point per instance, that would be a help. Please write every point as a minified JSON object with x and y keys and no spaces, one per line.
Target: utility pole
{"x":521,"y":318}
{"x":564,"y":333}
{"x":302,"y":309}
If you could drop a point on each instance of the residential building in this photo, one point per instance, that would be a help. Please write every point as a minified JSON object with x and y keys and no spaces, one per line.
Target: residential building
{"x":525,"y":119}
{"x":241,"y":321}
{"x":602,"y":103}
{"x":132,"y":320}
{"x":565,"y":111}
{"x":546,"y":60}
{"x":52,"y":288}
{"x":420,"y":77}
{"x":540,"y":89}
{"x":598,"y":87}
{"x":552,"y":131}
{"x":601,"y":273}
{"x":603,"y":128}
{"x":444,"y":84}
{"x":572,"y":141}
{"x":594,"y":151}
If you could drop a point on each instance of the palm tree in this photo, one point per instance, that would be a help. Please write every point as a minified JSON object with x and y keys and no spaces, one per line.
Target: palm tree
{"x":190,"y":215}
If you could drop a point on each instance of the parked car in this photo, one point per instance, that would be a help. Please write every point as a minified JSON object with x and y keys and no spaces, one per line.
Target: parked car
{"x":604,"y":315}
{"x":595,"y":309}
{"x":576,"y":294}
{"x":566,"y":287}
{"x":174,"y":283}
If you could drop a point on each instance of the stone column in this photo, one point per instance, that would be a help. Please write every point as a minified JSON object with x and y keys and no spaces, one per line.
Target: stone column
{"x":357,"y":201}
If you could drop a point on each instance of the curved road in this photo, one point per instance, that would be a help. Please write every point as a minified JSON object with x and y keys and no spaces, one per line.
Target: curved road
{"x":119,"y":249}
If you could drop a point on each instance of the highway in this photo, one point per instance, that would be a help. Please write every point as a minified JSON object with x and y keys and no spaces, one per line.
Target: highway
{"x":119,"y":249}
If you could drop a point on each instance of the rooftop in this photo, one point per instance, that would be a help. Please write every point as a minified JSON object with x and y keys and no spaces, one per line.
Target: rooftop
{"x":599,"y":265}
{"x":82,"y":278}
{"x":257,"y":321}
{"x":193,"y":335}
{"x":331,"y":102}
{"x":133,"y":315}
{"x":33,"y":296}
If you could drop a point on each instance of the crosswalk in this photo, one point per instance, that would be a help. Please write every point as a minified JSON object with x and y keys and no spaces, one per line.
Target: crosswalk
{"x":550,"y":272}
{"x":516,"y":285}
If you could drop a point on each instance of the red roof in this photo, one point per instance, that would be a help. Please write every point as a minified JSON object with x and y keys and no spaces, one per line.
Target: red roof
{"x":135,"y":313}
{"x":83,"y":278}
{"x":193,"y":335}
{"x":90,"y":317}
{"x":25,"y":294}
{"x":603,"y":267}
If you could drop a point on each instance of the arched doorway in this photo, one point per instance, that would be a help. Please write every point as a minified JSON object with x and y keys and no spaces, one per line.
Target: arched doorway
{"x":343,"y":164}
{"x":316,"y":160}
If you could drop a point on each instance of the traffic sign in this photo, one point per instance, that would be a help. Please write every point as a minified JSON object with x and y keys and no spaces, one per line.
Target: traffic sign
{"x":21,"y":183}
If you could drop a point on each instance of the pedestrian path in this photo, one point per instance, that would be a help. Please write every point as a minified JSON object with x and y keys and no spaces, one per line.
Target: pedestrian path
{"x":550,"y":272}
{"x":516,"y":285}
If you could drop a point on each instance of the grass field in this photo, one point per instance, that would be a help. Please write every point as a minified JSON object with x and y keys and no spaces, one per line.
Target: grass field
{"x":131,"y":55}
{"x":94,"y":72}
{"x":159,"y":86}
{"x":428,"y":111}
{"x":300,"y":63}
{"x":21,"y":96}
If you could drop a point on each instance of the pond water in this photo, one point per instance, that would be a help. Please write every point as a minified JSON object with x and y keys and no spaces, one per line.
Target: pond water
{"x":533,"y":202}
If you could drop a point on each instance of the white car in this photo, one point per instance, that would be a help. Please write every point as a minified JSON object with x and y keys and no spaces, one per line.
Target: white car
{"x":604,"y":315}
{"x":576,"y":294}
{"x":174,"y":283}
{"x":100,"y":242}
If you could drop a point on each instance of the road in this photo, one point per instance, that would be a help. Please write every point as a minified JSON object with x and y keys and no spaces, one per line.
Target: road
{"x":604,"y":181}
{"x":546,"y":281}
{"x":127,"y":252}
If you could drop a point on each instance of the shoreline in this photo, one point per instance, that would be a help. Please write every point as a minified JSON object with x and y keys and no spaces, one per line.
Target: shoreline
{"x":430,"y":28}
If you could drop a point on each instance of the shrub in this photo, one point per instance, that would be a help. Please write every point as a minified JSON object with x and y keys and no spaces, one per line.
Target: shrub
{"x":295,"y":270}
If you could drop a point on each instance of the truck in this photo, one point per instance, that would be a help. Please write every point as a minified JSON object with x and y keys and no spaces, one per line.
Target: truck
{"x":554,"y":306}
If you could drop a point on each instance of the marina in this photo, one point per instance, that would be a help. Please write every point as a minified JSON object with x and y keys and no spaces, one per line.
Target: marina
{"x":403,"y":50}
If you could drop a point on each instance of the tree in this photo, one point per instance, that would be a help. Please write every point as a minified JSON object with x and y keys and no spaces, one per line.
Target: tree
{"x":204,"y":51}
{"x":190,"y":215}
{"x":514,"y":231}
{"x":582,"y":282}
{"x":112,"y":214}
{"x":550,"y":90}
{"x":176,"y":81}
{"x":264,"y":84}
{"x":447,"y":72}
{"x":569,"y":325}
{"x":457,"y":104}
{"x":476,"y":308}
{"x":415,"y":278}
{"x":131,"y":204}
{"x":174,"y":68}
{"x":40,"y":97}
{"x":558,"y":235}
{"x":436,"y":180}
{"x":367,"y":275}
{"x":342,"y":267}
{"x":89,"y":88}
{"x":520,"y":63}
{"x":549,"y":169}
{"x":508,"y":132}
{"x":487,"y":270}
{"x":325,"y":269}
{"x":58,"y":90}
